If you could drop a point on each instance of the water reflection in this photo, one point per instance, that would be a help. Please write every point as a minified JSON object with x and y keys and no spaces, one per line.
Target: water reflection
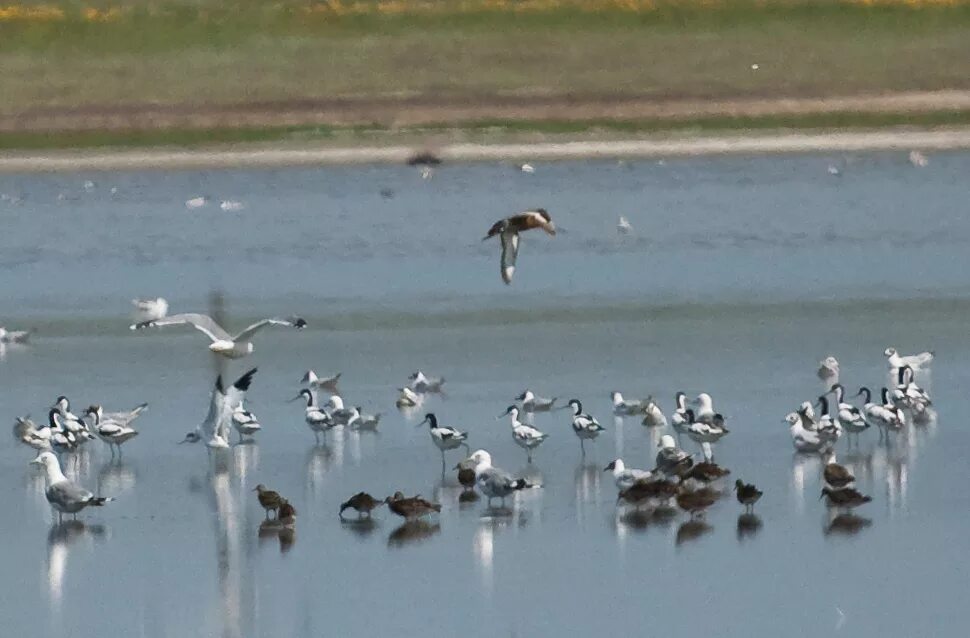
{"x":692,"y":530}
{"x":60,"y":539}
{"x":748,"y":526}
{"x":245,"y":458}
{"x":362,"y":527}
{"x":846,"y":525}
{"x":319,"y":460}
{"x":275,"y":530}
{"x":116,"y":477}
{"x":587,"y":487}
{"x":805,"y":470}
{"x":412,"y":532}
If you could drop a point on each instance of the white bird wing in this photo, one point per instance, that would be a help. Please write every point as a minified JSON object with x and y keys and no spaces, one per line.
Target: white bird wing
{"x":216,"y":402}
{"x":510,"y":251}
{"x":202,"y":323}
{"x":293,"y":322}
{"x":125,"y":417}
{"x":233,"y":398}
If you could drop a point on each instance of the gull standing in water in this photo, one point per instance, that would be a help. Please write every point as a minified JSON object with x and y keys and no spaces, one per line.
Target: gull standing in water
{"x":508,"y":230}
{"x":533,"y":403}
{"x":705,"y":408}
{"x":706,"y":433}
{"x":525,"y":436}
{"x":232,"y":347}
{"x":493,"y":482}
{"x":805,"y":440}
{"x":150,"y":309}
{"x":584,"y":425}
{"x":916,"y":361}
{"x":63,"y":495}
{"x":626,"y":477}
{"x":653,"y":414}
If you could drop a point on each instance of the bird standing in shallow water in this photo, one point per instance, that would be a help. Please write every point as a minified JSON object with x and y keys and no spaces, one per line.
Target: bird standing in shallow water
{"x":846,"y":497}
{"x":268,"y":499}
{"x":363,"y":502}
{"x":525,"y":436}
{"x":584,"y":425}
{"x":63,"y":495}
{"x":410,"y":508}
{"x":508,"y":230}
{"x":747,"y":494}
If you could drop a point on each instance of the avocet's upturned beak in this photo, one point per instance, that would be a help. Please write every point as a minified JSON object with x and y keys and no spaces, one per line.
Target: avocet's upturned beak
{"x":296,"y":398}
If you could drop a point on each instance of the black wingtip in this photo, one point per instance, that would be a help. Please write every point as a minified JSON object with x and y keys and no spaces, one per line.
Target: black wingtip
{"x":141,"y":324}
{"x":245,"y":380}
{"x":299,"y":323}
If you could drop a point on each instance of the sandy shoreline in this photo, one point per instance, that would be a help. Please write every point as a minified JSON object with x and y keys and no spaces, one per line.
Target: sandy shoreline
{"x":251,"y":157}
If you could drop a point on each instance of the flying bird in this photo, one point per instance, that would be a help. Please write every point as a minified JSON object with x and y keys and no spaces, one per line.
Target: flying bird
{"x":232,"y":347}
{"x":508,"y":230}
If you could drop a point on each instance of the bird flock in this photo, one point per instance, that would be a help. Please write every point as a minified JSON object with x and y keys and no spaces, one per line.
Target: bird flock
{"x":691,"y":481}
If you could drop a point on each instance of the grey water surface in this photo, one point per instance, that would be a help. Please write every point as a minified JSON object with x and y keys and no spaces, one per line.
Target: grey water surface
{"x":740,"y":275}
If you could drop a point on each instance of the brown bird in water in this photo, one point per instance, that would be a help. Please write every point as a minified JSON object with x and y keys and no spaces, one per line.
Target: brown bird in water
{"x":747,"y":494}
{"x":466,"y":476}
{"x":269,"y":499}
{"x":508,"y":230}
{"x":362,"y":502}
{"x":696,"y":502}
{"x":836,"y":475}
{"x":846,"y":497}
{"x":706,"y":472}
{"x":286,"y":514}
{"x":410,"y":508}
{"x":643,"y":491}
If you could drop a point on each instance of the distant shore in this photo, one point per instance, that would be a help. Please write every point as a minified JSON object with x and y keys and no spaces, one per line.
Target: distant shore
{"x":658,"y":147}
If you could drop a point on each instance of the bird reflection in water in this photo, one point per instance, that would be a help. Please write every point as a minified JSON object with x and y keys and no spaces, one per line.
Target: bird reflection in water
{"x":319,"y":459}
{"x":636,"y":519}
{"x":587,"y":486}
{"x":116,"y":477}
{"x":749,"y":525}
{"x":692,"y":530}
{"x":806,"y":469}
{"x":361,"y":527}
{"x":245,"y":457}
{"x":846,"y":525}
{"x":412,"y":532}
{"x":61,"y":539}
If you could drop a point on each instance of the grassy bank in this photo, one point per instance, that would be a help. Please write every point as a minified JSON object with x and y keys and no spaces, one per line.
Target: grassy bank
{"x":480,"y":131}
{"x":99,"y":55}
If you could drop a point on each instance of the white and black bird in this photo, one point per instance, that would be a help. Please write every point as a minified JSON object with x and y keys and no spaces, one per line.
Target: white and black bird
{"x":321,"y":383}
{"x":851,"y":417}
{"x":885,"y":415}
{"x":27,"y":432}
{"x":244,"y":422}
{"x":444,"y":437}
{"x":508,"y":230}
{"x":828,"y":427}
{"x":341,"y":415}
{"x":214,"y":431}
{"x":708,"y":433}
{"x":805,"y":440}
{"x":679,"y":418}
{"x":424,"y":384}
{"x":232,"y":347}
{"x":705,"y":408}
{"x":533,"y":403}
{"x":63,"y":495}
{"x":112,"y":432}
{"x":525,"y":436}
{"x":493,"y":482}
{"x":585,"y":426}
{"x":625,"y":407}
{"x":317,"y":419}
{"x":671,"y":460}
{"x":14,"y":336}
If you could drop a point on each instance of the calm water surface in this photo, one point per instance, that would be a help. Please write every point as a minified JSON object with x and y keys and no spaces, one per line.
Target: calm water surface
{"x":741,"y":274}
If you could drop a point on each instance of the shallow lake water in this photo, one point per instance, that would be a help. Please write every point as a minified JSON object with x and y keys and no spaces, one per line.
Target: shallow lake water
{"x":740,"y":275}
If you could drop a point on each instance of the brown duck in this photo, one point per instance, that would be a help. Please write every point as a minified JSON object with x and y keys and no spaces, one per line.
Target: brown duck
{"x":286,"y":514}
{"x":508,"y":230}
{"x":410,"y":508}
{"x":747,"y":494}
{"x":844,"y":498}
{"x":269,"y":499}
{"x":362,"y":502}
{"x":706,"y":472}
{"x":837,"y":475}
{"x":643,"y":491}
{"x":695,"y":502}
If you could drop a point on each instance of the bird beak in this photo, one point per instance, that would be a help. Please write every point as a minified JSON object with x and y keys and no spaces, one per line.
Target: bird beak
{"x":296,"y":398}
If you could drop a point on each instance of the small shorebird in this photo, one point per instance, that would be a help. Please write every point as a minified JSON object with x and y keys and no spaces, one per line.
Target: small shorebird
{"x":466,"y":473}
{"x":643,"y":492}
{"x":63,"y":495}
{"x":111,"y":432}
{"x":835,"y":475}
{"x":318,"y":383}
{"x":584,"y":425}
{"x":316,"y":419}
{"x":525,"y":436}
{"x":150,"y":309}
{"x":747,"y":494}
{"x":845,"y":498}
{"x":411,"y":508}
{"x":695,"y":502}
{"x":508,"y":230}
{"x":268,"y":499}
{"x":363,"y":502}
{"x":706,"y":472}
{"x":625,"y":477}
{"x":533,"y":403}
{"x":232,"y":347}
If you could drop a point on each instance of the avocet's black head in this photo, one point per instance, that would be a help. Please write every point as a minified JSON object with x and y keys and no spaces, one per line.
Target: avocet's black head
{"x":521,"y":397}
{"x":823,"y":403}
{"x":577,"y":406}
{"x":299,"y":323}
{"x":431,"y":419}
{"x":902,"y":374}
{"x":681,"y":399}
{"x":610,"y":467}
{"x":689,"y":415}
{"x":885,"y":395}
{"x":413,"y":375}
{"x":544,"y":214}
{"x":866,"y":392}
